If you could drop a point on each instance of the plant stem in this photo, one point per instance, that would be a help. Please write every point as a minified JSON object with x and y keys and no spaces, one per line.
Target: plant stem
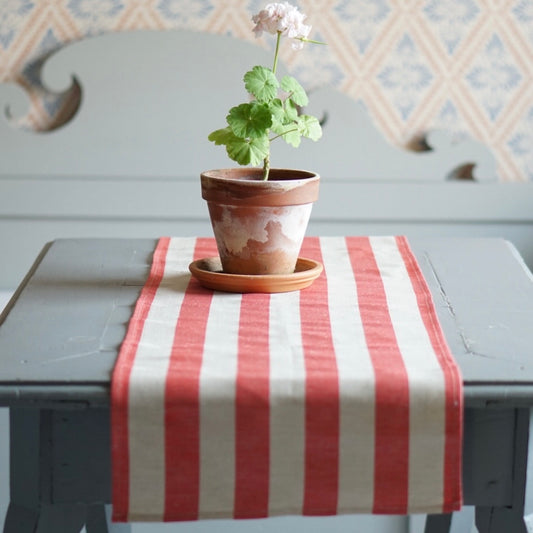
{"x":311,"y":41}
{"x":266,"y":168}
{"x":282,"y":134}
{"x":276,"y":53}
{"x":266,"y":161}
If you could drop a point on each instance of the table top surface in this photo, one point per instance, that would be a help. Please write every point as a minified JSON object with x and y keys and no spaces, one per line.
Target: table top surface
{"x":61,"y":332}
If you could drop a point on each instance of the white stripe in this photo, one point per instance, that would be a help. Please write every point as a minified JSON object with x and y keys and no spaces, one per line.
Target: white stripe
{"x":356,"y":381}
{"x":146,"y":393}
{"x":426,"y":380}
{"x":217,"y":407}
{"x":287,"y":405}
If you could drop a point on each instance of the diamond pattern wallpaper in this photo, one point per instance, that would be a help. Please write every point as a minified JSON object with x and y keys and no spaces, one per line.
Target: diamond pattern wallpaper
{"x":465,"y":66}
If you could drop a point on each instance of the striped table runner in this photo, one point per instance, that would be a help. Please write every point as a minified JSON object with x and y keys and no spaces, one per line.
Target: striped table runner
{"x":340,"y":398}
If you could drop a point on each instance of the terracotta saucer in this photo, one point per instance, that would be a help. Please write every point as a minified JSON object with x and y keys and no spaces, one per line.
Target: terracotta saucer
{"x":208,"y":272}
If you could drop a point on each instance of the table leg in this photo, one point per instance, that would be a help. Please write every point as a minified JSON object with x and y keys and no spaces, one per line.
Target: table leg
{"x":438,"y":523}
{"x":59,"y":472}
{"x":512,"y":518}
{"x":64,"y":518}
{"x":45,"y":519}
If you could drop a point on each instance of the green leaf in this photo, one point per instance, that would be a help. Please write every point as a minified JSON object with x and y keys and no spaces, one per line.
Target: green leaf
{"x":248,"y":151}
{"x":293,"y":136}
{"x":309,"y":127}
{"x":222,"y":136}
{"x":289,"y":132}
{"x":277,"y":111}
{"x":291,"y":111}
{"x":261,"y":83}
{"x":243,"y":151}
{"x":297,"y":92}
{"x":250,"y":120}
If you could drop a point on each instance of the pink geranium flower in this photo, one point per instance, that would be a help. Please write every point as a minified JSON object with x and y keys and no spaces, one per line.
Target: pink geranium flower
{"x":282,"y":18}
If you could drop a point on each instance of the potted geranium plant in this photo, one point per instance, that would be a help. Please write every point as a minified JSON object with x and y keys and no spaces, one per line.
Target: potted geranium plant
{"x":260,"y":214}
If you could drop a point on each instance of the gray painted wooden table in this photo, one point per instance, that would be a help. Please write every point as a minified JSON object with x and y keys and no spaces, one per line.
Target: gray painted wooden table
{"x":60,"y":335}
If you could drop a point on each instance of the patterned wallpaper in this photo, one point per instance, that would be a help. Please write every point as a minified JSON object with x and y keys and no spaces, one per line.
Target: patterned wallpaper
{"x":462,"y":65}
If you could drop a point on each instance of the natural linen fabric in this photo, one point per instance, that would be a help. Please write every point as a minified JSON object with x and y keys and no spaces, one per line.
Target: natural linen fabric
{"x":340,"y":398}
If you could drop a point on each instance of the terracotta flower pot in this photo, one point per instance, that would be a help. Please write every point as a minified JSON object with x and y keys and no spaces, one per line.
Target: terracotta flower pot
{"x":259,"y":225}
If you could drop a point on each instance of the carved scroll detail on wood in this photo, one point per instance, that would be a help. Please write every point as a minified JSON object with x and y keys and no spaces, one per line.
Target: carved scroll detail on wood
{"x":146,"y":110}
{"x":47,"y":108}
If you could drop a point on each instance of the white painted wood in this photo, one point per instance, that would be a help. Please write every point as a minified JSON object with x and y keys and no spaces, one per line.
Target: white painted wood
{"x":128,"y":163}
{"x":4,"y":437}
{"x":149,"y":100}
{"x":462,"y":522}
{"x":4,"y":298}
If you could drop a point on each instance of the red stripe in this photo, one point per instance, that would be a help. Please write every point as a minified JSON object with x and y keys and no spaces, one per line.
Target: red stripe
{"x":252,"y":412}
{"x":452,"y":379}
{"x":392,"y":388}
{"x":182,"y":409}
{"x":322,"y":395}
{"x":120,"y":385}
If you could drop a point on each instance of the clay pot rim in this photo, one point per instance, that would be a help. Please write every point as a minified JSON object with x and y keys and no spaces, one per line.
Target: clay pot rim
{"x":254,"y":175}
{"x":245,"y":186}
